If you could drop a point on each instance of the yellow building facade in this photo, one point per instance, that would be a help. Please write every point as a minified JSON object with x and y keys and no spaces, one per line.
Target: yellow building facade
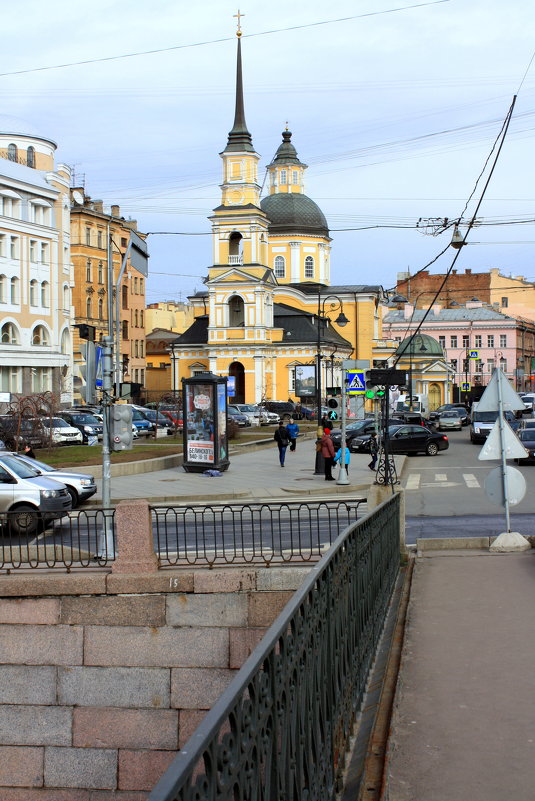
{"x":269,"y":305}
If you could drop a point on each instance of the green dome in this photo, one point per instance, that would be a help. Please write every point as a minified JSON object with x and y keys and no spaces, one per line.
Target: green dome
{"x":423,"y":346}
{"x":293,"y":213}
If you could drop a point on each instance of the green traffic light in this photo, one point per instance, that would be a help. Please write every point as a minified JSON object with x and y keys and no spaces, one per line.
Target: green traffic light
{"x":370,"y":393}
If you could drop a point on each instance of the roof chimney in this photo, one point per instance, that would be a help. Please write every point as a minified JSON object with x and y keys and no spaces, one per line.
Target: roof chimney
{"x":115,"y":211}
{"x":407,"y":311}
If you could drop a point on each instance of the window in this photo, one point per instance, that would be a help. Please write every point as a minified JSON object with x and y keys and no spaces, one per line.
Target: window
{"x":12,"y":153}
{"x":135,"y":318}
{"x":142,"y":376}
{"x":478,"y":340}
{"x":124,"y":242}
{"x":33,"y":292}
{"x":100,"y":309}
{"x":490,"y":341}
{"x":309,"y":267}
{"x":141,"y":318}
{"x":30,"y":157}
{"x":99,"y":239}
{"x":10,"y":379}
{"x":124,"y":327}
{"x":40,"y":336}
{"x":141,"y":348}
{"x":280,"y":266}
{"x":3,"y":289}
{"x":503,"y":340}
{"x":505,"y":302}
{"x":141,"y":289}
{"x":124,"y":293}
{"x":65,"y":343}
{"x":15,"y":290}
{"x":2,"y":245}
{"x":44,"y":253}
{"x":9,"y":203}
{"x":284,"y":176}
{"x":453,"y":342}
{"x":466,"y":341}
{"x":33,"y":251}
{"x":490,"y":365}
{"x":100,"y":273}
{"x":236,"y":312}
{"x":135,"y":286}
{"x":88,"y":308}
{"x":45,"y":294}
{"x":9,"y":334}
{"x":479,"y":366}
{"x":136,"y":348}
{"x":66,"y":297}
{"x":442,"y":341}
{"x":88,"y":236}
{"x":88,"y":271}
{"x":14,"y":247}
{"x":503,"y":365}
{"x":41,"y":379}
{"x":295,"y":177}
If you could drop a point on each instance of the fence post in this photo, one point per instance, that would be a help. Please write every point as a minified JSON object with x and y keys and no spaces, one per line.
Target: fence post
{"x":133,"y":538}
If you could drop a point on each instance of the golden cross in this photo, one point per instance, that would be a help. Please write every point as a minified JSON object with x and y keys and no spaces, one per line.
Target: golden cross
{"x":238,"y":15}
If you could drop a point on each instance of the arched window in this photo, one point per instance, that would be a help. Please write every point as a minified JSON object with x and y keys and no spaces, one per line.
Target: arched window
{"x":33,"y":292}
{"x":88,"y":311}
{"x":235,"y":255}
{"x":280,"y":266}
{"x":30,"y":156}
{"x":100,"y":309}
{"x":40,"y":336}
{"x":9,"y":334}
{"x":309,"y":267}
{"x":88,"y":271}
{"x":12,"y":152}
{"x":284,"y":177}
{"x":236,"y":312}
{"x":45,"y":294}
{"x":66,"y":297}
{"x":65,"y":343}
{"x":15,"y":290}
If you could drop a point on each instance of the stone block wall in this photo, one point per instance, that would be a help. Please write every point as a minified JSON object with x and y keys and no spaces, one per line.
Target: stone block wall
{"x":103,"y":676}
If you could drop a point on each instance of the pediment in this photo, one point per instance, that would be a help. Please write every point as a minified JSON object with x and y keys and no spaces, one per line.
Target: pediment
{"x":438,"y":366}
{"x":255,"y":275}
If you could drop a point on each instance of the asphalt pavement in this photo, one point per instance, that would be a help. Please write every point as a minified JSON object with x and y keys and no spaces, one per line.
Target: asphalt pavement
{"x":253,"y":472}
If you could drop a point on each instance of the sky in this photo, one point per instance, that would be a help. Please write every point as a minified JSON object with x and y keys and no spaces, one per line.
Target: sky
{"x":396,"y":107}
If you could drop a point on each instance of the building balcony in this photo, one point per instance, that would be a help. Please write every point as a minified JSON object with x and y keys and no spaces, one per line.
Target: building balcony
{"x":235,"y":259}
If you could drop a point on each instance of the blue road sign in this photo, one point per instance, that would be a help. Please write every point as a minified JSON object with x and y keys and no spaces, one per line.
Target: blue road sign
{"x":356,"y":383}
{"x":465,"y":386}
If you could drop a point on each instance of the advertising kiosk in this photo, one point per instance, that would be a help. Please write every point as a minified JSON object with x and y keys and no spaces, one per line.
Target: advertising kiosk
{"x":205,"y":423}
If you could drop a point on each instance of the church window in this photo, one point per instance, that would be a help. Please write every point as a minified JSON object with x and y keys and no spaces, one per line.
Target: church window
{"x":295,"y":177}
{"x":12,"y":153}
{"x":283,"y":177}
{"x":236,"y":312}
{"x":309,"y":267}
{"x":235,"y":248}
{"x":280,"y":267}
{"x":30,"y":157}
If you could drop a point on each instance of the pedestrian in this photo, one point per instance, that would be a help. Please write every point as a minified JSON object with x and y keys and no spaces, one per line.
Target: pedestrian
{"x":374,"y":449}
{"x":29,"y":452}
{"x":324,"y":423}
{"x":293,"y":430}
{"x":327,"y":451}
{"x":282,"y":439}
{"x":347,"y":457}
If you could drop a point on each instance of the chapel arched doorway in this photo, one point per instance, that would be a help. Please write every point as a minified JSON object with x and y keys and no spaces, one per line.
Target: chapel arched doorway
{"x":236,"y":370}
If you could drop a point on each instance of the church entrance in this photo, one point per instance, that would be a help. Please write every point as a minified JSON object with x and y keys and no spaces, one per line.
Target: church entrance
{"x":435,"y":398}
{"x":236,"y":370}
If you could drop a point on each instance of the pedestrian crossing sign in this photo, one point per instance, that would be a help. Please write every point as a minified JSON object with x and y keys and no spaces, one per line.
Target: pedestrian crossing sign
{"x":356,"y":383}
{"x":465,"y":386}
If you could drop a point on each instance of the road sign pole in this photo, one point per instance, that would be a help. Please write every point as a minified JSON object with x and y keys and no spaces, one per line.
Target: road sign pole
{"x":342,"y":474}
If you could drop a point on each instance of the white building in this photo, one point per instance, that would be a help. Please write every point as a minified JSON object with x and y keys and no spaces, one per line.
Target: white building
{"x":35,"y":268}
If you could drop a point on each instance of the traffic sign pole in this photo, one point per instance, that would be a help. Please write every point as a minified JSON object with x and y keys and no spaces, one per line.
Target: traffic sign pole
{"x":342,"y":474}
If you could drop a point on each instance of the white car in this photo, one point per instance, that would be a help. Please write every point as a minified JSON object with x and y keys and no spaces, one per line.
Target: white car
{"x":250,"y":410}
{"x":61,"y":432}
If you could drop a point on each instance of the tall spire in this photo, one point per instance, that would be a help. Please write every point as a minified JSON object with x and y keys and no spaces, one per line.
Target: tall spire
{"x":239,"y":138}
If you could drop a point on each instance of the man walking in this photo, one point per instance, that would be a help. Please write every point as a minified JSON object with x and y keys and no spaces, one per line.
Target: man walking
{"x":282,"y":439}
{"x":327,"y":451}
{"x":374,"y":449}
{"x":293,"y":430}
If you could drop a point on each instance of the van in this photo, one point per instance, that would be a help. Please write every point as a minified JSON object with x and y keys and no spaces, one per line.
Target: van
{"x":482,"y":423}
{"x":28,"y":497}
{"x":420,"y":403}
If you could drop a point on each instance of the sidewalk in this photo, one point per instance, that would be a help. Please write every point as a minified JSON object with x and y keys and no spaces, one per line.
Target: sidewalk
{"x":251,"y":474}
{"x":464,"y":717}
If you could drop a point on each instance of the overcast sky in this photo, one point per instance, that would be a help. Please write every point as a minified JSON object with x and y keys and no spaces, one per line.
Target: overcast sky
{"x":395,"y":108}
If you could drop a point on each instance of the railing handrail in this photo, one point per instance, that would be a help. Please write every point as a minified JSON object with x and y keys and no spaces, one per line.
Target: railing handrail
{"x":186,"y":760}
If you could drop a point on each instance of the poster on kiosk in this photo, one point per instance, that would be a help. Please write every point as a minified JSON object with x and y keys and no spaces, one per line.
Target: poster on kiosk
{"x":205,"y":423}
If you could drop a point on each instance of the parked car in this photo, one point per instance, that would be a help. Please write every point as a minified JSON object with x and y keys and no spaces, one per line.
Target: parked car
{"x":239,"y":418}
{"x":29,"y":497}
{"x":527,"y":438}
{"x":528,"y":399}
{"x":17,"y":431}
{"x":408,"y":439}
{"x":282,"y":408}
{"x":250,"y":410}
{"x":85,"y":422}
{"x":61,"y":432}
{"x":80,"y":486}
{"x":143,"y":426}
{"x":450,"y":419}
{"x":156,"y":419}
{"x":446,"y":407}
{"x":356,"y":429}
{"x":271,"y":418}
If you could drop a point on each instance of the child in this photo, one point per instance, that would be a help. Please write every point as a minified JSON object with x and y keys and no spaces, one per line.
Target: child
{"x":338,"y":457}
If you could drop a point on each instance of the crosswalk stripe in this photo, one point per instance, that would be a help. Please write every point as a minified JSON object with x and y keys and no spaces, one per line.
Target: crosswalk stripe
{"x":441,"y":477}
{"x":413,"y":481}
{"x":471,"y":480}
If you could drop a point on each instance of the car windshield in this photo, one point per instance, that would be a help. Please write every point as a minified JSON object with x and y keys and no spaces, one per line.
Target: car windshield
{"x":528,"y":435}
{"x":450,"y":414}
{"x":55,"y":422}
{"x":84,"y":419}
{"x":41,"y":466}
{"x":138,"y":416}
{"x":20,"y":468}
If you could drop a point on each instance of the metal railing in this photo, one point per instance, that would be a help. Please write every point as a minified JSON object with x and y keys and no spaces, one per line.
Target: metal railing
{"x":260,"y":533}
{"x":76,"y":540}
{"x":282,"y":728}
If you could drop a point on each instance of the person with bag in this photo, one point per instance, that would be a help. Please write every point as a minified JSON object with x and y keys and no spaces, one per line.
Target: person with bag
{"x":338,"y":457}
{"x":283,"y":440}
{"x":293,"y":430}
{"x":327,"y":451}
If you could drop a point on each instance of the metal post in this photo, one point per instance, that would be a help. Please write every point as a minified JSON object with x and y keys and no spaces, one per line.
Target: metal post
{"x":118,"y":369}
{"x":411,"y":344}
{"x":503,"y":459}
{"x":342,"y":474}
{"x":106,"y":545}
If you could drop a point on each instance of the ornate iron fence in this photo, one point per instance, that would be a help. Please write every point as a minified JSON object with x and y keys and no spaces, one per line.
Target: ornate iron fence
{"x":250,"y":533}
{"x":281,"y":730}
{"x":83,"y":538}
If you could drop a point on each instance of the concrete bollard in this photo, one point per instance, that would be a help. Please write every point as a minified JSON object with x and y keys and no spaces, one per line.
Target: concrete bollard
{"x":133,"y":538}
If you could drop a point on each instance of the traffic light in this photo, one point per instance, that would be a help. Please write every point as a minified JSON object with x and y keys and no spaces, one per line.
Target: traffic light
{"x":333,"y":405}
{"x":370,"y":392}
{"x":121,"y":437}
{"x":86,"y":331}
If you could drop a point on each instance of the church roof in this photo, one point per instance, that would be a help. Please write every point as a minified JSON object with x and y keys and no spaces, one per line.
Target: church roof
{"x":422,"y":345}
{"x":293,"y":213}
{"x":239,"y":138}
{"x":286,"y":152}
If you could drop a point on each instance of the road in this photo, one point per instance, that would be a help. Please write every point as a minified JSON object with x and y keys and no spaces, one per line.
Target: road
{"x":445,"y":494}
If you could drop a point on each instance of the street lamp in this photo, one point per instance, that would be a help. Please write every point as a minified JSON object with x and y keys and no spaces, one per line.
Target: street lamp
{"x":342,"y":321}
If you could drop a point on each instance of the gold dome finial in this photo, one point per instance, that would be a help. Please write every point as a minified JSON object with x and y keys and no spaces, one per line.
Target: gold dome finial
{"x":239,"y":15}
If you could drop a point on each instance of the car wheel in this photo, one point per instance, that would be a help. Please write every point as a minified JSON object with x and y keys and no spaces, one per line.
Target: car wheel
{"x":74,"y":496}
{"x":432,"y":449}
{"x":24,"y":520}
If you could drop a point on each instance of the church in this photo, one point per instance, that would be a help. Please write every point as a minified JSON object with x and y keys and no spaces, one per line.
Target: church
{"x":269,"y":306}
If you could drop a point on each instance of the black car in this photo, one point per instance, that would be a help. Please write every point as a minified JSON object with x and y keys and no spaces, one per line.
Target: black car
{"x":527,"y":438}
{"x":407,"y":439}
{"x":90,"y":426}
{"x":356,"y":429}
{"x":448,"y":407}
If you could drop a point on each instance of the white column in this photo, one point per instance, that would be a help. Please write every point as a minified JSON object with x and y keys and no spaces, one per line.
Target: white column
{"x":295,"y":271}
{"x":258,"y":378}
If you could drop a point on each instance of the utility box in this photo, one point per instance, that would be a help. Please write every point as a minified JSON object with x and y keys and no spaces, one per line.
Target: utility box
{"x":205,"y":423}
